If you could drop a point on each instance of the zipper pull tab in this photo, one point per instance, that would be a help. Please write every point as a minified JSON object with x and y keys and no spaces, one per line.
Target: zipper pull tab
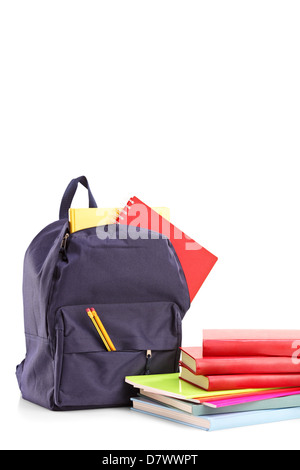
{"x":63,"y":247}
{"x":148,"y":362}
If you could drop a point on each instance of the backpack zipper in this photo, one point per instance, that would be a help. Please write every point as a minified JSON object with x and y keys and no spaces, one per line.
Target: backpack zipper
{"x":148,"y":362}
{"x":63,"y":247}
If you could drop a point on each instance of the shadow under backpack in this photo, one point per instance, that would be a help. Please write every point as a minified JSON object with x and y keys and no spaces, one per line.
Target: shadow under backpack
{"x":139,"y":290}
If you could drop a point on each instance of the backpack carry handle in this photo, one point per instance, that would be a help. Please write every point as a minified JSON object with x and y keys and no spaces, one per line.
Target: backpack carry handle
{"x":70,"y":193}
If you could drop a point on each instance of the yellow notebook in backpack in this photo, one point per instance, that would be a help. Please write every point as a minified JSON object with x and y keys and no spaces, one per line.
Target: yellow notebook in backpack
{"x":80,"y":219}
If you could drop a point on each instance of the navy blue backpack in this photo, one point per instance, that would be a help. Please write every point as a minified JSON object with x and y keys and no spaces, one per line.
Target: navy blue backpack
{"x":137,"y":286}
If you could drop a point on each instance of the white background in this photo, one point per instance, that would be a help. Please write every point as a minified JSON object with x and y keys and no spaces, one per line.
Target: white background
{"x":192,"y":105}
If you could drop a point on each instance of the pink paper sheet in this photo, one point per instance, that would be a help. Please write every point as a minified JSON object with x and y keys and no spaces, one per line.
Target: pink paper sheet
{"x":246,"y":399}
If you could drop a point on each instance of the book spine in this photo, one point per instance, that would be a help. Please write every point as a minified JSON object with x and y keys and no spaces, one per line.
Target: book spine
{"x":246,"y":365}
{"x":221,"y":348}
{"x":231,"y":382}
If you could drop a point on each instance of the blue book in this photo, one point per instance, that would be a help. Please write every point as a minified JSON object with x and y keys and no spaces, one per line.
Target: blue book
{"x":217,"y":421}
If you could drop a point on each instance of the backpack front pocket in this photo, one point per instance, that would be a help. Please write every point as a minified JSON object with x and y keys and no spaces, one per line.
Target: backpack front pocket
{"x":147,"y":337}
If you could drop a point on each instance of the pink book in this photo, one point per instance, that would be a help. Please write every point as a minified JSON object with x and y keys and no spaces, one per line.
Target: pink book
{"x":250,"y":398}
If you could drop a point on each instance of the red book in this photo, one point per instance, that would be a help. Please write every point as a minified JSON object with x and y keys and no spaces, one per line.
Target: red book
{"x":195,"y":260}
{"x":240,"y":381}
{"x":192,"y":358}
{"x":252,"y":343}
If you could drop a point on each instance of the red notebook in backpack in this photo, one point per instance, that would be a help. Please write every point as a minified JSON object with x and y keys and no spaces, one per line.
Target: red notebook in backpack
{"x":195,"y":260}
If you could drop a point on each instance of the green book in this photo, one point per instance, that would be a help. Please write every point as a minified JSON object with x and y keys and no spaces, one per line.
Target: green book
{"x":171,"y":385}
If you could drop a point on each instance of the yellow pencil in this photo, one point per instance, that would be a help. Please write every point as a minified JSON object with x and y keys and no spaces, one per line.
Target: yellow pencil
{"x":103,"y":330}
{"x":91,"y":315}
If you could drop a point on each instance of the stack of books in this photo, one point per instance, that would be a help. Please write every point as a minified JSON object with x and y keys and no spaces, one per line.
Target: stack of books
{"x":236,"y":378}
{"x":235,"y":359}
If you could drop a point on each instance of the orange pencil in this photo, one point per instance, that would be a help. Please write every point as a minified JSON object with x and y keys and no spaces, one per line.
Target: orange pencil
{"x":103,"y":330}
{"x":92,"y":317}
